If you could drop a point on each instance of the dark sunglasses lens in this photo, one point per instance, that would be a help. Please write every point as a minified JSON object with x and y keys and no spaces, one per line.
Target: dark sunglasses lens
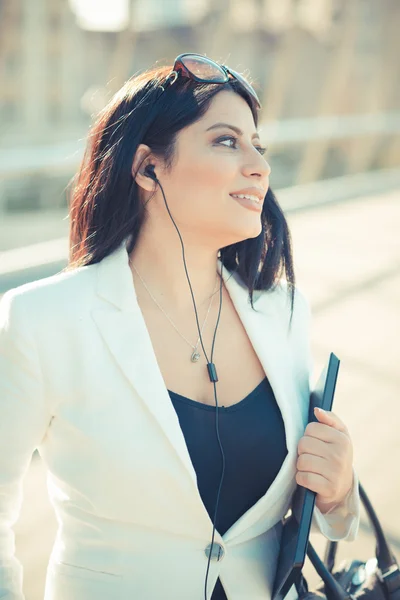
{"x":203,"y":68}
{"x":246,"y":85}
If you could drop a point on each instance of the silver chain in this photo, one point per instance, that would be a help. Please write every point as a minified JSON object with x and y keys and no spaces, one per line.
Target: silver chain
{"x":195,"y":354}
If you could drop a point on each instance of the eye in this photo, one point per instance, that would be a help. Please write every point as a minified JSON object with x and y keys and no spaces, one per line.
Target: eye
{"x":227,"y":138}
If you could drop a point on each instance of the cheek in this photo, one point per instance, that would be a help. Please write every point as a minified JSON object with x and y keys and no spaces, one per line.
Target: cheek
{"x":200,"y":190}
{"x":218,"y":174}
{"x":211,"y":172}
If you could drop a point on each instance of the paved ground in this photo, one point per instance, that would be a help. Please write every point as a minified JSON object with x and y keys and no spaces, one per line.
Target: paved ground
{"x":347,"y":258}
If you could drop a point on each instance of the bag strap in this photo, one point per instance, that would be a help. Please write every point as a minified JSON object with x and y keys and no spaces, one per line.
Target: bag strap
{"x":336,"y":592}
{"x":386,"y":560}
{"x":389,"y":572}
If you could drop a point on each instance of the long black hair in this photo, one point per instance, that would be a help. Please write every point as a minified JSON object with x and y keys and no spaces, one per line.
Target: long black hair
{"x":105,"y":207}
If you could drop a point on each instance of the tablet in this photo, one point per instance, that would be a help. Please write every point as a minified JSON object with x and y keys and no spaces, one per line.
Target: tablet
{"x":294,"y":541}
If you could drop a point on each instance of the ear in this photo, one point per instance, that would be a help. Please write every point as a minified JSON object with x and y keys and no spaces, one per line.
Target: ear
{"x":141,"y":159}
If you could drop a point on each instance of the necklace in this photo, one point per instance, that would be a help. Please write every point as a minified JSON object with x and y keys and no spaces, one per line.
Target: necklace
{"x":195,"y":356}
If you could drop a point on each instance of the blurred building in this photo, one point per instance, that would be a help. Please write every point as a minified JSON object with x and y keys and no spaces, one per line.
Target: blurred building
{"x":43,"y":79}
{"x":60,"y":60}
{"x":57,"y":70}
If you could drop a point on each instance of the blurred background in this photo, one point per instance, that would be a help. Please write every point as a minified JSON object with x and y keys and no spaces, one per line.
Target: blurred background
{"x":327,"y":72}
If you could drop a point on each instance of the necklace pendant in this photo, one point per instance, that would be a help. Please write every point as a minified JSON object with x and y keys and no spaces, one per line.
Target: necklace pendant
{"x":195,"y":357}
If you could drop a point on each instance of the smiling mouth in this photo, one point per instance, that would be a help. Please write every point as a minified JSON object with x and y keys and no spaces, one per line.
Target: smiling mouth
{"x":249,"y":203}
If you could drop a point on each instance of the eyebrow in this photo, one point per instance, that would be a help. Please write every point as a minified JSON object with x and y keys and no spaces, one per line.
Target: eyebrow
{"x":233,"y":127}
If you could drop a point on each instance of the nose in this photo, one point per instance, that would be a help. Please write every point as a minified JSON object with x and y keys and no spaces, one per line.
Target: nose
{"x":268,"y":167}
{"x":258,"y":166}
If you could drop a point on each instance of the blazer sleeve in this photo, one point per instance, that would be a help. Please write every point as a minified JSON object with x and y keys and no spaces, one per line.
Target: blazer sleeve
{"x":23,"y":423}
{"x":342,"y":521}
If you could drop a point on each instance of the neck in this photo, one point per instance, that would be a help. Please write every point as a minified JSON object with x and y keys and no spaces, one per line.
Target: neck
{"x":162,"y":269}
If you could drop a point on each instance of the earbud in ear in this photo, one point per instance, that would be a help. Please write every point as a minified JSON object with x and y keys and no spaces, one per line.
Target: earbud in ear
{"x":149,"y":172}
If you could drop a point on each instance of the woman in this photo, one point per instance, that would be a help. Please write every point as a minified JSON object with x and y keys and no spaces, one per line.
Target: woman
{"x":170,"y":463}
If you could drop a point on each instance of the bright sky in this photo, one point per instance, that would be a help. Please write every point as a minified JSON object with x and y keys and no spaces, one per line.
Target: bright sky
{"x":103,"y":15}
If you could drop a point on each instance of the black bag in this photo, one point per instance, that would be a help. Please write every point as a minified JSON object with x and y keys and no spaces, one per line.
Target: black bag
{"x":375,"y":579}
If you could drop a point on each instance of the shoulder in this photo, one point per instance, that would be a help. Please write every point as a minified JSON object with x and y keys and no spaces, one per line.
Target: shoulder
{"x":279,"y":299}
{"x":49,"y":296}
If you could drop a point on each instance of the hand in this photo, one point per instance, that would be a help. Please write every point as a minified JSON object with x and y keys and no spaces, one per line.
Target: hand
{"x":325,"y":460}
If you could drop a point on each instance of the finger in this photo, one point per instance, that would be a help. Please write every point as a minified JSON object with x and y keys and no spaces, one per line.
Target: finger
{"x":330,"y":418}
{"x":325,"y":433}
{"x":314,"y":482}
{"x":319,"y":465}
{"x":311,"y":445}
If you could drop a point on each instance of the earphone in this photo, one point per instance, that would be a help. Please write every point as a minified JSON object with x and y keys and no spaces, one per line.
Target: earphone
{"x":212,"y":371}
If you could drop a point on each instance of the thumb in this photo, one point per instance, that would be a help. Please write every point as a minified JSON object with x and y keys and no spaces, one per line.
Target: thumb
{"x":323,"y":415}
{"x":330,"y":418}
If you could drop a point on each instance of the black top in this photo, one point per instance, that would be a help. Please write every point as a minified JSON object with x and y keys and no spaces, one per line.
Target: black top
{"x":252,"y":435}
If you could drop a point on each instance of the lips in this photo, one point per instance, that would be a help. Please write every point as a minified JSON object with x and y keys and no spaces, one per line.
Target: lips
{"x":248,"y":203}
{"x":252,"y":191}
{"x":251,"y":197}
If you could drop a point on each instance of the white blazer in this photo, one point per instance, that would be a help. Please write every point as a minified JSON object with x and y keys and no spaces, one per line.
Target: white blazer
{"x":79,"y":380}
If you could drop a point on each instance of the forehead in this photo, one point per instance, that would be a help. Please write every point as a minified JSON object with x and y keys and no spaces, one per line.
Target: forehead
{"x":227,"y":107}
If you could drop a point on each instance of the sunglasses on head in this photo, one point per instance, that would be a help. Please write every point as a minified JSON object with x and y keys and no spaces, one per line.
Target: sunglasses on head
{"x":204,"y":70}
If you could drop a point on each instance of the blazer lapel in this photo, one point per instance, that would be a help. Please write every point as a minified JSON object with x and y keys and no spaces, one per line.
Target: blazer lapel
{"x":124,"y":330}
{"x":267,"y":331}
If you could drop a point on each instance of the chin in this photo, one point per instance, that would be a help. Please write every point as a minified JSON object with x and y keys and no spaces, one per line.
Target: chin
{"x":251,"y":230}
{"x":251,"y":227}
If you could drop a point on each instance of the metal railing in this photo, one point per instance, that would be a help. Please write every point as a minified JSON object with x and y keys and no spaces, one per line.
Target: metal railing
{"x":64,"y":158}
